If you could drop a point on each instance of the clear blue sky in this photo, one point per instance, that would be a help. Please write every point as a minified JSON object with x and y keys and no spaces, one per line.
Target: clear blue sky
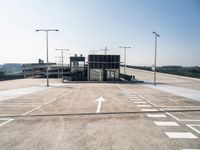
{"x":87,"y":25}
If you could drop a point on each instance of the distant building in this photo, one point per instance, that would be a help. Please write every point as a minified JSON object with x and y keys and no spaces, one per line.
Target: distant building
{"x":98,"y":68}
{"x":39,"y":69}
{"x":103,"y":67}
{"x":12,"y":68}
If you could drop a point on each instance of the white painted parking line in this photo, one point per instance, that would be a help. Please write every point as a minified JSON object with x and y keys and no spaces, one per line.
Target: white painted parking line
{"x":151,"y":103}
{"x":132,"y":96}
{"x":8,"y":120}
{"x":192,"y":126}
{"x":31,"y":110}
{"x":136,"y":99}
{"x":149,"y":110}
{"x":181,"y":135}
{"x":166,"y":123}
{"x":55,"y":99}
{"x":156,"y":115}
{"x":140,"y":102}
{"x":143,"y":105}
{"x":173,"y":116}
{"x":182,"y":119}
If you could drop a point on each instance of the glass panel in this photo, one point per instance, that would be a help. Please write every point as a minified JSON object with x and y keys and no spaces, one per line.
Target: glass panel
{"x":112,"y":74}
{"x":81,"y":64}
{"x":100,"y":58}
{"x":96,"y":75}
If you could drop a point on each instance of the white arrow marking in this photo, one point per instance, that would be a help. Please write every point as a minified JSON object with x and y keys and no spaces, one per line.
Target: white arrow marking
{"x":99,"y":100}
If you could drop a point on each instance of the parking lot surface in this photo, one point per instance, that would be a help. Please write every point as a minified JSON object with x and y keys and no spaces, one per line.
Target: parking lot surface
{"x":102,"y":116}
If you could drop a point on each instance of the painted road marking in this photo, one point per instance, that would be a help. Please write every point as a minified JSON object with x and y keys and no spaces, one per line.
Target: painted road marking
{"x":156,"y":115}
{"x":181,"y":119}
{"x":132,"y":95}
{"x":44,"y":104}
{"x":149,"y":110}
{"x":31,"y":110}
{"x":166,"y":123}
{"x":54,"y":99}
{"x":99,"y":100}
{"x":191,"y":126}
{"x":140,"y":102}
{"x":143,"y":105}
{"x":181,"y":135}
{"x":8,"y":120}
{"x":136,"y":99}
{"x":151,"y":103}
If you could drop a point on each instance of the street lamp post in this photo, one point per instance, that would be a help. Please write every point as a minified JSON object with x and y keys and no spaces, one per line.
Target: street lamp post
{"x":62,"y":50}
{"x":47,"y":30}
{"x":105,"y":50}
{"x":156,"y":35}
{"x":58,"y":62}
{"x":125,"y":47}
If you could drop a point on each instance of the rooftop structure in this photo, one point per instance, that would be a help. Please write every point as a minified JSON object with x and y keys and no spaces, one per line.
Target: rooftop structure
{"x":77,"y":68}
{"x":103,"y":67}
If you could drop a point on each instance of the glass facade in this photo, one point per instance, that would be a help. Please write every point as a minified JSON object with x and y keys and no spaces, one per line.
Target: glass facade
{"x":77,"y":68}
{"x":103,"y":67}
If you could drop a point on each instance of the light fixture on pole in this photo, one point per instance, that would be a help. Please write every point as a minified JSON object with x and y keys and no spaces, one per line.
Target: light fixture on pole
{"x":93,"y":51}
{"x":62,"y":50}
{"x":47,"y":30}
{"x":124,"y":47}
{"x":156,"y":35}
{"x":105,"y":50}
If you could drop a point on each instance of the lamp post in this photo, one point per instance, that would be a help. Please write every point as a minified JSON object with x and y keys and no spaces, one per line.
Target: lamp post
{"x":156,"y":35}
{"x":105,"y":50}
{"x":94,"y":51}
{"x":62,"y":50}
{"x":47,"y":30}
{"x":58,"y":62}
{"x":125,"y":47}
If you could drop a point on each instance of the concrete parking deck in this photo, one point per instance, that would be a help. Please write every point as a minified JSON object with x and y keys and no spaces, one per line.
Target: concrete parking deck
{"x":97,"y":116}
